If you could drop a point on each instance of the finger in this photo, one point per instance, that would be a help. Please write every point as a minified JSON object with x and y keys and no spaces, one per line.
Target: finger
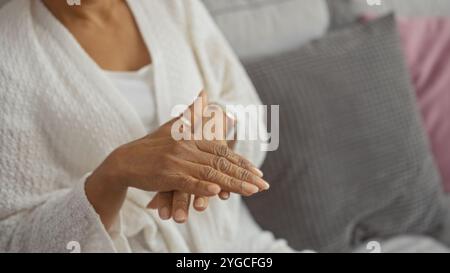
{"x":165,"y":205}
{"x":227,"y":167}
{"x":224,"y":195}
{"x":189,"y":184}
{"x":224,"y":151}
{"x":203,"y":98}
{"x":201,"y":203}
{"x":197,"y":115}
{"x":226,"y":183}
{"x":187,"y":117}
{"x":154,"y":203}
{"x":223,"y":123}
{"x":180,"y":206}
{"x":193,"y":115}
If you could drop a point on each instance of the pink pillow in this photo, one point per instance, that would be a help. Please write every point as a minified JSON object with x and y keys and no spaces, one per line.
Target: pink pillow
{"x":426,"y":43}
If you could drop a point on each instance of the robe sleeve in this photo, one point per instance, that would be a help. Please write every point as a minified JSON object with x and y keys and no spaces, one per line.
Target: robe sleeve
{"x":58,"y":221}
{"x":43,"y":208}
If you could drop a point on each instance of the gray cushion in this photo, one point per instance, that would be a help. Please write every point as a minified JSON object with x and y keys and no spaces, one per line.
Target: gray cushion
{"x":443,"y":234}
{"x":404,"y":7}
{"x":257,"y":28}
{"x":341,"y":13}
{"x":2,"y":2}
{"x":353,"y":162}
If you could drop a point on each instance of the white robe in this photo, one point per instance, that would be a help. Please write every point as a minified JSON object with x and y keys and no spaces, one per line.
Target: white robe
{"x":60,"y":116}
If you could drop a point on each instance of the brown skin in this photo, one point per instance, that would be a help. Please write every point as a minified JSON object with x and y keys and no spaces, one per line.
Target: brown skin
{"x":106,"y":30}
{"x":109,"y":34}
{"x":158,"y":163}
{"x":176,"y":204}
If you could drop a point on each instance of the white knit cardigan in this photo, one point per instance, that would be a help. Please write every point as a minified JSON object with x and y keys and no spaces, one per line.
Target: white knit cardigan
{"x":60,"y":116}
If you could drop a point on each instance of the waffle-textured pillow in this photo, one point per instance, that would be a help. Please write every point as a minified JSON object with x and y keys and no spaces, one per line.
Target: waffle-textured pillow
{"x":353,"y":162}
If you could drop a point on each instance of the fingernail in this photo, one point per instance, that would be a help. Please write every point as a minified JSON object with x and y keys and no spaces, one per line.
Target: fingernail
{"x":214,"y":189}
{"x":164,"y":213}
{"x":225,"y":195}
{"x":258,"y":172}
{"x":250,"y":189}
{"x":200,"y":203}
{"x":180,"y":216}
{"x":262,"y":184}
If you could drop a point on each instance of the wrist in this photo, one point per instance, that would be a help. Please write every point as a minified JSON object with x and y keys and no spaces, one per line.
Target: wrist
{"x":107,"y":180}
{"x":107,"y":195}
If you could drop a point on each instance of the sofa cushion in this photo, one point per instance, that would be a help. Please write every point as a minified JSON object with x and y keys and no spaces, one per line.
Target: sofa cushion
{"x":344,"y":11}
{"x":341,"y":13}
{"x":353,"y":161}
{"x":257,"y":28}
{"x":404,"y":7}
{"x":2,"y":2}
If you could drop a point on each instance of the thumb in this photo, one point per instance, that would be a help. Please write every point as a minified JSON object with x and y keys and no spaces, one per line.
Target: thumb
{"x":193,"y":112}
{"x":191,"y":116}
{"x":200,"y":103}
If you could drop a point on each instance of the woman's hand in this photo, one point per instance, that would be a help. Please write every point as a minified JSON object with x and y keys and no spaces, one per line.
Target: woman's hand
{"x":158,"y":163}
{"x":179,"y":202}
{"x":176,"y":204}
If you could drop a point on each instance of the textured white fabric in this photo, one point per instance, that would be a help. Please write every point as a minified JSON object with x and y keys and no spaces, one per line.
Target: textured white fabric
{"x":60,"y":116}
{"x":138,"y":89}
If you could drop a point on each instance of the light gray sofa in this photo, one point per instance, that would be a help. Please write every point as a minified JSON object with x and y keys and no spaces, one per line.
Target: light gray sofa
{"x":273,"y":26}
{"x":277,"y":38}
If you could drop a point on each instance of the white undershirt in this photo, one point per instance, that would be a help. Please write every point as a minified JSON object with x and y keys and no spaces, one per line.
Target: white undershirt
{"x":137,"y":87}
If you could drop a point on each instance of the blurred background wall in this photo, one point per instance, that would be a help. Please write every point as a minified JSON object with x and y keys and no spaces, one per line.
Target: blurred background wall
{"x":403,"y":6}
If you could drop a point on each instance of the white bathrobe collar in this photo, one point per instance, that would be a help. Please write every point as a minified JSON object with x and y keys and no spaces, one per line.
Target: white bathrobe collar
{"x":158,"y":37}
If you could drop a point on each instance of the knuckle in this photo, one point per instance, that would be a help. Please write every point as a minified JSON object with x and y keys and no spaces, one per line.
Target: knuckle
{"x":164,"y":199}
{"x":221,"y":164}
{"x":159,"y":181}
{"x":221,"y":150}
{"x":234,"y":184}
{"x":195,"y":185}
{"x":244,"y":175}
{"x":242,"y":162}
{"x":210,"y":174}
{"x":199,"y":145}
{"x":185,"y":182}
{"x":181,"y":201}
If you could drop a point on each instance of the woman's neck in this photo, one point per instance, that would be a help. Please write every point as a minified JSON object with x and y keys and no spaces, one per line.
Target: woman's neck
{"x":96,"y":11}
{"x":106,"y":30}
